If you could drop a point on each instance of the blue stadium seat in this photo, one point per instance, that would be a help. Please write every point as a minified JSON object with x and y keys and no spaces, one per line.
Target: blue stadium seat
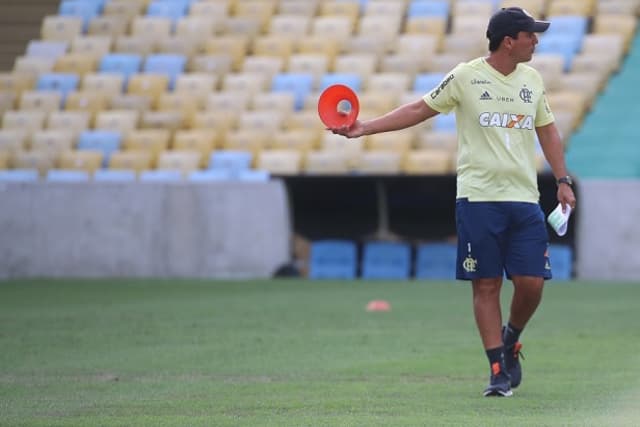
{"x":114,"y":175}
{"x":333,"y":259}
{"x":561,"y":259}
{"x":173,"y":10}
{"x":122,"y":63}
{"x":19,"y":175}
{"x":210,"y":175}
{"x":386,"y":260}
{"x":230,"y":160}
{"x":424,"y":82}
{"x":436,"y":261}
{"x":67,"y":175}
{"x":438,"y":8}
{"x":160,"y":175}
{"x":59,"y":82}
{"x":354,"y":81}
{"x":299,"y":84}
{"x":47,"y":48}
{"x":562,"y":44}
{"x":169,"y":64}
{"x":254,"y":175}
{"x":568,"y":25}
{"x":100,"y":140}
{"x":85,"y":9}
{"x":445,"y":122}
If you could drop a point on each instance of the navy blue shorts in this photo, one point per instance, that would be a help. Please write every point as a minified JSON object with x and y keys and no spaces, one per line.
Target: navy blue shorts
{"x":495,"y":238}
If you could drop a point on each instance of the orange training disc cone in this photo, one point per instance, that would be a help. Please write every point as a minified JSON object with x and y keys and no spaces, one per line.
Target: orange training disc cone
{"x":338,"y":106}
{"x":378,"y":305}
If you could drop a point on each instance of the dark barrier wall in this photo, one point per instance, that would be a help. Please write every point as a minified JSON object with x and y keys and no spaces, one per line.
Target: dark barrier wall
{"x":413,"y":208}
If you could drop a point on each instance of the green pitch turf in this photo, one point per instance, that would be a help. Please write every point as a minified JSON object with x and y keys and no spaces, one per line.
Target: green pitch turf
{"x":301,"y":353}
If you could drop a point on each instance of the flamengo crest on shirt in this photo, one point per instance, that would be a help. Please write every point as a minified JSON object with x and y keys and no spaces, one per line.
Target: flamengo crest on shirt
{"x":506,"y":120}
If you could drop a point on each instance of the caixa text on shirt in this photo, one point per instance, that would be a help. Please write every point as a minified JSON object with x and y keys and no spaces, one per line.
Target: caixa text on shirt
{"x":506,"y":120}
{"x":440,"y":88}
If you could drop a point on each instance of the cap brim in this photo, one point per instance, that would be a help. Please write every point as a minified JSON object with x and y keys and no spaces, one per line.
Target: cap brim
{"x":540,"y":26}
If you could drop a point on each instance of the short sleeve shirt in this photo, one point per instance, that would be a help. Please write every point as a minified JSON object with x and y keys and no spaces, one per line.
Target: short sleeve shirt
{"x":496,"y":117}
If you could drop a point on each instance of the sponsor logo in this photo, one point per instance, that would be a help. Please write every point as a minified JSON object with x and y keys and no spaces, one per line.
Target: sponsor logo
{"x":440,"y":88}
{"x":485,"y":96}
{"x":470,"y":264}
{"x":480,"y":82}
{"x":525,"y":95}
{"x":506,"y":120}
{"x":504,"y":99}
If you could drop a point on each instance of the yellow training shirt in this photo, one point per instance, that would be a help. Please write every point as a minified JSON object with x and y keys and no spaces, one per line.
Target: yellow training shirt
{"x":496,"y":117}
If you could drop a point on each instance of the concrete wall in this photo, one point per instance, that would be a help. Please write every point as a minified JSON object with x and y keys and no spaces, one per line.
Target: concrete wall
{"x":213,"y":230}
{"x":608,"y":237}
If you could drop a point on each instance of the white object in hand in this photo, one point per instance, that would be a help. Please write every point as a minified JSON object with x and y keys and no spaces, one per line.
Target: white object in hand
{"x":559,"y":220}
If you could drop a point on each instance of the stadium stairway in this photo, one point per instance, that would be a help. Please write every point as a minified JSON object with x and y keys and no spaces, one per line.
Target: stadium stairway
{"x":606,"y":145}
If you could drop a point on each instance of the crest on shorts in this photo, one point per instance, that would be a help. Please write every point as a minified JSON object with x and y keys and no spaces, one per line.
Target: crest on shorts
{"x":469,"y":264}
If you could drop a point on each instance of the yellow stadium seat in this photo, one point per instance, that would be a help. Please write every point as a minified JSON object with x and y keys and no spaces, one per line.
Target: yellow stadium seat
{"x":401,"y":141}
{"x":433,"y":25}
{"x":594,"y":62}
{"x":75,"y":121}
{"x":86,"y":160}
{"x":15,"y":82}
{"x":587,"y":82}
{"x":385,"y":28}
{"x":178,"y":45}
{"x":109,"y":83}
{"x":280,"y":161}
{"x":137,"y":160}
{"x":117,"y":120}
{"x":90,"y":101}
{"x":375,"y":44}
{"x":196,"y":84}
{"x":472,"y":26}
{"x":566,"y":122}
{"x":203,"y":141}
{"x":445,"y":62}
{"x":266,"y":121}
{"x":378,"y":101}
{"x":217,"y":64}
{"x":337,"y":27}
{"x":111,"y":26}
{"x":53,"y":140}
{"x":13,"y":140}
{"x":460,"y":43}
{"x":35,"y":100}
{"x":261,"y":10}
{"x":250,"y":83}
{"x":431,"y":139}
{"x":209,"y":9}
{"x":236,"y":46}
{"x":169,"y":120}
{"x":7,"y":101}
{"x":318,"y":44}
{"x":290,"y":25}
{"x":570,"y":7}
{"x":127,"y":101}
{"x":304,"y":120}
{"x":309,"y":63}
{"x":363,"y":64}
{"x":4,"y":159}
{"x":534,"y":7}
{"x":610,"y":46}
{"x":280,"y":102}
{"x":29,"y":121}
{"x":91,"y":45}
{"x":551,"y":67}
{"x":428,"y":162}
{"x":32,"y":66}
{"x":221,"y":121}
{"x":303,"y":8}
{"x":280,"y":46}
{"x":181,"y":102}
{"x":402,"y":63}
{"x":617,"y":7}
{"x":352,"y":149}
{"x":380,"y":162}
{"x":155,"y":25}
{"x":472,"y":8}
{"x":350,"y":10}
{"x":302,"y":140}
{"x":264,"y":64}
{"x":40,"y":160}
{"x":228,"y":100}
{"x":252,"y":140}
{"x":568,"y":100}
{"x":184,"y":161}
{"x":137,"y":44}
{"x":151,"y":85}
{"x":325,"y":162}
{"x":152,"y":140}
{"x":76,"y":63}
{"x":392,"y":8}
{"x":393,"y":82}
{"x":196,"y":28}
{"x":123,"y":9}
{"x":58,"y":27}
{"x":248,"y":26}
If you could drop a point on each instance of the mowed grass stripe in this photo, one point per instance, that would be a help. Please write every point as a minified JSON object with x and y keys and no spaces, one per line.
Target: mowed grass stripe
{"x":291,"y":353}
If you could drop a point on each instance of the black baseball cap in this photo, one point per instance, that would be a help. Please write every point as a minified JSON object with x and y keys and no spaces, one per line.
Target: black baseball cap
{"x":511,"y":20}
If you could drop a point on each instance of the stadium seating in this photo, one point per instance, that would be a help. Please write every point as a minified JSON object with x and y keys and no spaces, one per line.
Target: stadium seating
{"x":333,"y":259}
{"x":561,"y":259}
{"x":436,"y":261}
{"x":386,"y":260}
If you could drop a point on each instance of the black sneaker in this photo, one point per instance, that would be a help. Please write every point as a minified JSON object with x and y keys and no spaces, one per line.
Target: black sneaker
{"x":512,"y":356}
{"x":499,"y":383}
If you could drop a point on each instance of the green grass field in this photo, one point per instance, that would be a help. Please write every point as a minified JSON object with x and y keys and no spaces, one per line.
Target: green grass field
{"x":302,"y":353}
